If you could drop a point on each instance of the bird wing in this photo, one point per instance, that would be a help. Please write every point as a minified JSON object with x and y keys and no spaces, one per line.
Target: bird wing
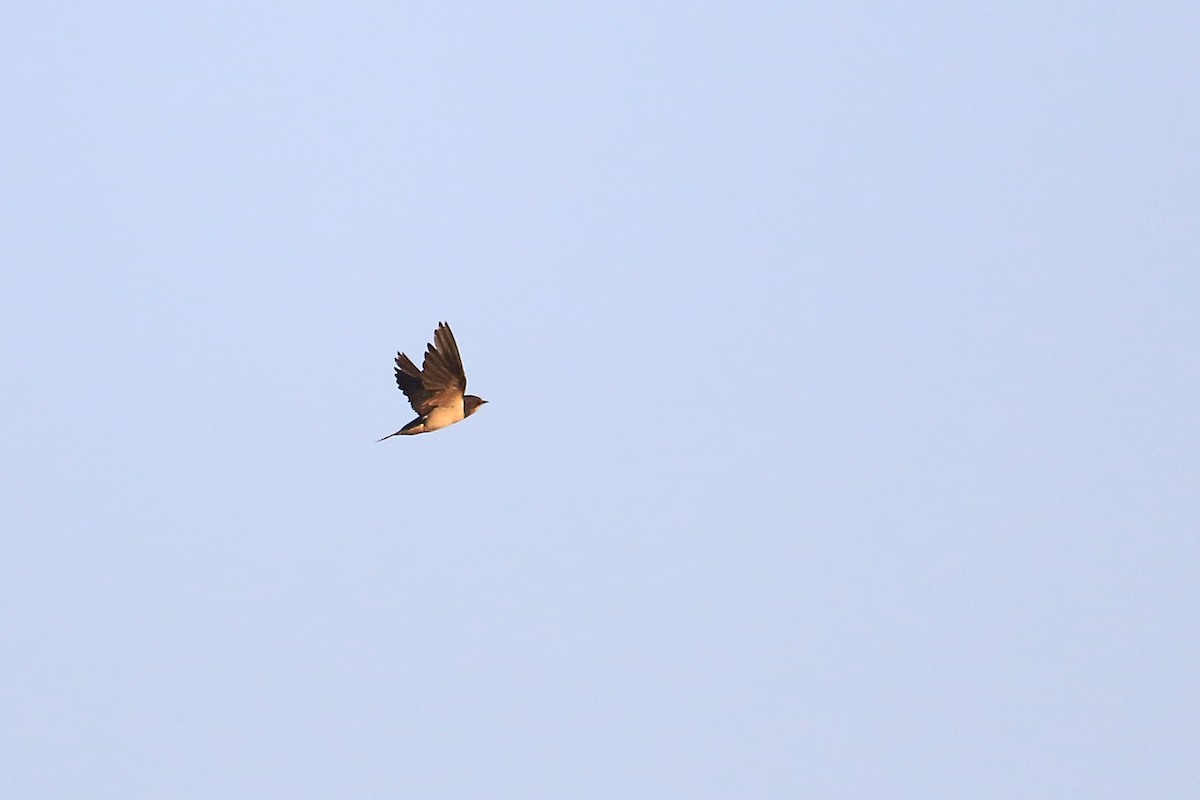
{"x":408,"y":378}
{"x":443,"y":369}
{"x":440,"y":381}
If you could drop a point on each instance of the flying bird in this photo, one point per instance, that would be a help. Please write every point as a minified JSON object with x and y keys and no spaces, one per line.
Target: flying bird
{"x":436,"y":391}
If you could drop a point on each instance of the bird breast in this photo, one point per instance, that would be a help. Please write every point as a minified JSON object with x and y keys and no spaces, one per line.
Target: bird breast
{"x":442,"y":416}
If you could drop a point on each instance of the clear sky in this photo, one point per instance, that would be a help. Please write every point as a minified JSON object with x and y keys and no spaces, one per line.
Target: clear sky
{"x":843,"y":362}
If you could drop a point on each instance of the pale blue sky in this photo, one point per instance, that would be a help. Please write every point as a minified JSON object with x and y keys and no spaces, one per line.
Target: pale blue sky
{"x":844,"y":438}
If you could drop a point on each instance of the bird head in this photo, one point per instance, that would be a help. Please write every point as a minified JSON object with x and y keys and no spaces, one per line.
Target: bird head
{"x":471,"y":404}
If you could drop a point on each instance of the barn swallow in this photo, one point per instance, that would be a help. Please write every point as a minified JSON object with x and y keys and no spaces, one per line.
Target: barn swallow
{"x":436,"y":391}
